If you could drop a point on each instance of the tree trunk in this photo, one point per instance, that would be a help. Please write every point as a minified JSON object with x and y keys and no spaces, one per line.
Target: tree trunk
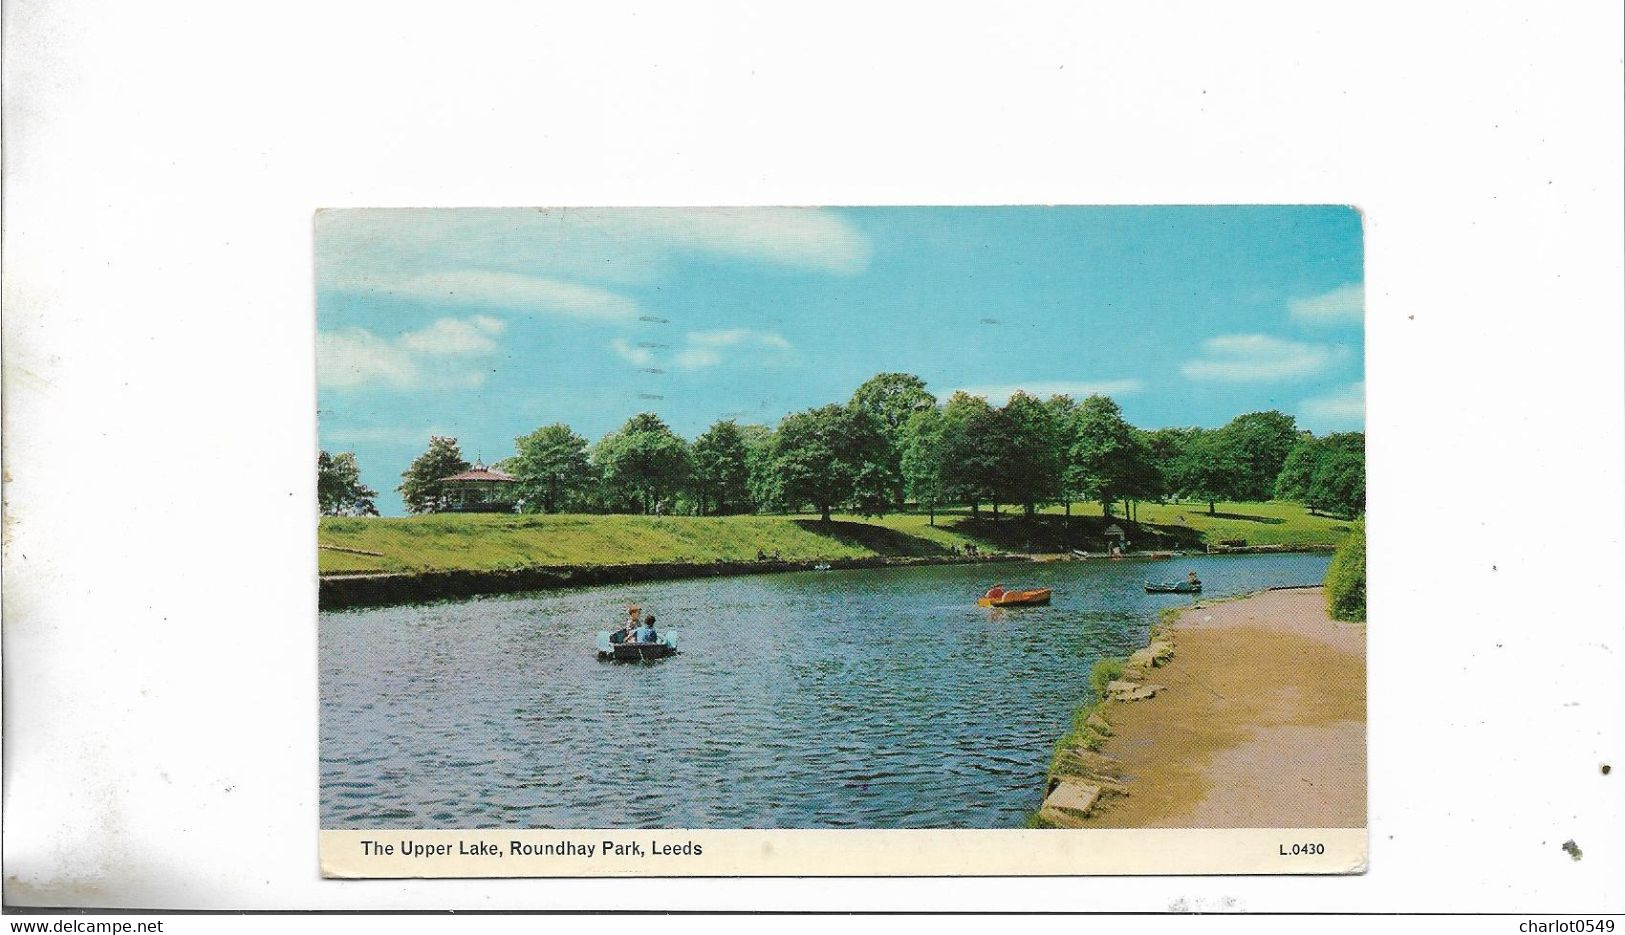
{"x":1069,"y":508}
{"x":931,"y":511}
{"x":823,"y":510}
{"x":975,"y":510}
{"x":1028,"y":507}
{"x":1210,"y":508}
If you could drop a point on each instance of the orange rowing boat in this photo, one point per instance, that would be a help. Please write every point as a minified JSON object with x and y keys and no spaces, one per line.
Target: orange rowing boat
{"x":1027,"y":598}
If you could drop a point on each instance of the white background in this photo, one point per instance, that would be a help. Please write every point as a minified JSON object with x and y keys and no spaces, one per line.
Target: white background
{"x":162,"y":163}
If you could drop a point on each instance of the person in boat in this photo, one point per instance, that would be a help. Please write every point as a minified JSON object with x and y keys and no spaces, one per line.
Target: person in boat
{"x":625,"y":632}
{"x":646,"y":633}
{"x":1192,"y":580}
{"x":995,"y":592}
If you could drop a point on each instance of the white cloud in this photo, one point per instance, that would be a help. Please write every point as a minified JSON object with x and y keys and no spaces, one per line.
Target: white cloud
{"x":455,"y":337}
{"x":356,"y":357}
{"x":810,"y":238}
{"x":505,"y":291}
{"x":1244,"y":358}
{"x":541,"y":259}
{"x":1343,"y":304}
{"x":1343,"y":407}
{"x":637,"y":355}
{"x":695,"y":358}
{"x":733,"y":336}
{"x":703,"y":348}
{"x":1043,"y":389}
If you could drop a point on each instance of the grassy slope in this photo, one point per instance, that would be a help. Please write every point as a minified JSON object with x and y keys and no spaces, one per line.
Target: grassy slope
{"x":486,"y":541}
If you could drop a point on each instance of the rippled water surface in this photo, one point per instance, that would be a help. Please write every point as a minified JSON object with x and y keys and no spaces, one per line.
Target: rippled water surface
{"x":875,"y":699}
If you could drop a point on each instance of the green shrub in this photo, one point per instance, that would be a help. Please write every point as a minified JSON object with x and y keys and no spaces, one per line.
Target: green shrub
{"x":1345,"y":578}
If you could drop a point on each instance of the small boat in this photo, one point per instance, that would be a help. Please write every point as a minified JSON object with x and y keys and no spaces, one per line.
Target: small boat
{"x":629,"y":651}
{"x":1029,"y":598}
{"x":1174,"y":587}
{"x":823,"y":566}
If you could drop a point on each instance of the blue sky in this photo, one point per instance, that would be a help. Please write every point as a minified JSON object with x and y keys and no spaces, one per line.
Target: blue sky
{"x":486,"y":323}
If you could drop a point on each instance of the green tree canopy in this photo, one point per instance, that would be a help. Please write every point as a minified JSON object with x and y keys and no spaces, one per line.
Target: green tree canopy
{"x":1299,"y":468}
{"x":642,"y":464}
{"x":766,"y":493}
{"x":420,"y":483}
{"x":972,"y":450}
{"x":552,"y":468}
{"x":891,"y":398}
{"x":832,"y":455}
{"x":1259,"y":443}
{"x":1212,"y":468}
{"x":922,"y":458}
{"x":1034,"y":452}
{"x":1338,"y":484}
{"x":1103,"y":451}
{"x":721,"y":476}
{"x":339,"y":491}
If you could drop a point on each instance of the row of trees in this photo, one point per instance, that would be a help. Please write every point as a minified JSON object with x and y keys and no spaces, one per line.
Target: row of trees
{"x":892,"y":443}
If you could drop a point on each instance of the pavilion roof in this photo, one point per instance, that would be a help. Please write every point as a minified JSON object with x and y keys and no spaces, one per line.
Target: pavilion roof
{"x":480,"y":472}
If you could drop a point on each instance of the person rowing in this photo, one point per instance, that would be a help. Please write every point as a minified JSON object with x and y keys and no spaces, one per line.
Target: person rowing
{"x":646,"y":633}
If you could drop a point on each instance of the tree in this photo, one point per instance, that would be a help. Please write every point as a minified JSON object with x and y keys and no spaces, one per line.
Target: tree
{"x":1338,"y":484}
{"x":1102,"y":451}
{"x":922,"y":459}
{"x":1032,"y":462}
{"x":972,"y":450}
{"x":339,"y":491}
{"x":721,"y":476}
{"x":1212,"y":468}
{"x":1170,"y":450}
{"x":420,"y":482}
{"x":552,"y":468}
{"x":1064,"y":418}
{"x":1260,"y":442}
{"x":762,"y":478}
{"x":832,"y":455}
{"x":891,"y":398}
{"x":1142,"y":474}
{"x":1299,"y":469}
{"x":643,"y":463}
{"x":1325,"y":473}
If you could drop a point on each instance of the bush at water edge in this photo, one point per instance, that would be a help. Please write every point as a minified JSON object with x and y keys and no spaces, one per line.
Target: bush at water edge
{"x":1345,"y":578}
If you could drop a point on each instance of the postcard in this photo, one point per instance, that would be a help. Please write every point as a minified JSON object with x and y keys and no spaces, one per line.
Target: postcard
{"x":902,"y":541}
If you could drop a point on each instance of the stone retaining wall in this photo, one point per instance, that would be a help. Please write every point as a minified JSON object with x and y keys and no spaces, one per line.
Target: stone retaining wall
{"x":369,"y":590}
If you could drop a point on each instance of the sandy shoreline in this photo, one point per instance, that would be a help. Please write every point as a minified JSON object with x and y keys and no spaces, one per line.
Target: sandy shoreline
{"x":1259,"y":722}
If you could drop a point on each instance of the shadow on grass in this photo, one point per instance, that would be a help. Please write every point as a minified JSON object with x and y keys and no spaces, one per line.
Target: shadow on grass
{"x":1245,"y":517}
{"x":881,"y":540}
{"x":1050,"y":533}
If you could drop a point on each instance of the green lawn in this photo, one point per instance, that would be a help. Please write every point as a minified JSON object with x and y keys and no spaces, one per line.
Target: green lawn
{"x":489,"y":541}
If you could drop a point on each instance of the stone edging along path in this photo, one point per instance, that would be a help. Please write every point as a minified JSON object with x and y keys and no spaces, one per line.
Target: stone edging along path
{"x":1255,"y":719}
{"x":338,"y":591}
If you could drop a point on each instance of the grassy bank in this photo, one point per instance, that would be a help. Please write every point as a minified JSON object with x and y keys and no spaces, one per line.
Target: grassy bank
{"x":501,"y":541}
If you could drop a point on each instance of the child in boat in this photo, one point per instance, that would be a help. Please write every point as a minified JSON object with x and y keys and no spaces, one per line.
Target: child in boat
{"x":1190,"y":578}
{"x":625,"y":632}
{"x":646,"y":633}
{"x":995,"y":592}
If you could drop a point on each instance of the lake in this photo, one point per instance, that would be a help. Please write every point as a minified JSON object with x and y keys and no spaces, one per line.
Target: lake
{"x":879,"y":698}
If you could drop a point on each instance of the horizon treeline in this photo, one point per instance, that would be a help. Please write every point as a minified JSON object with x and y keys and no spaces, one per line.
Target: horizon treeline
{"x":892,"y":444}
